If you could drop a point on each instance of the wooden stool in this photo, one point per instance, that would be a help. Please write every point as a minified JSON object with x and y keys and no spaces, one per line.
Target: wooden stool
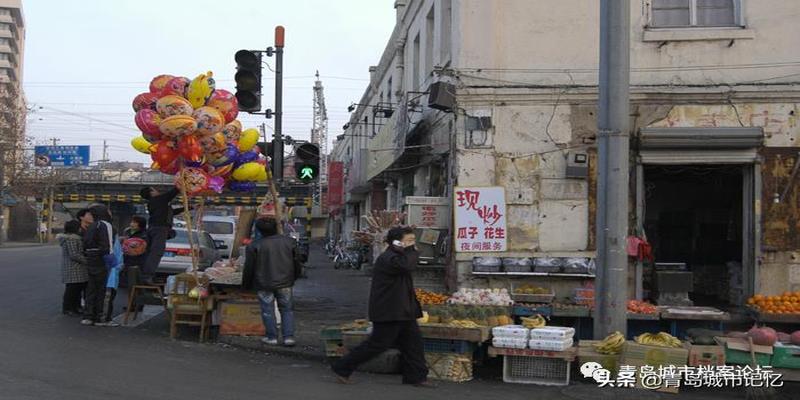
{"x":144,"y":289}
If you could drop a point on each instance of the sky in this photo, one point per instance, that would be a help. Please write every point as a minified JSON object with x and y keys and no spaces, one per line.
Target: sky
{"x":86,"y":60}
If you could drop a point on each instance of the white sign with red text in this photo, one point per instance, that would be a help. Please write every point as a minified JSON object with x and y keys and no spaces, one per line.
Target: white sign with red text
{"x":480,"y":219}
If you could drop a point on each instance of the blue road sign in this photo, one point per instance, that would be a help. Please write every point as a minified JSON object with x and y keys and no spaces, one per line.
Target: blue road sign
{"x":61,"y":156}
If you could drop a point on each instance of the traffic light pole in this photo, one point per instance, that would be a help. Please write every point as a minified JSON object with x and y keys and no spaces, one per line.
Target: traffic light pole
{"x":277,"y":151}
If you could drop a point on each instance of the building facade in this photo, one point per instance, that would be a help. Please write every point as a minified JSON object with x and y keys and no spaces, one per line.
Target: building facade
{"x":714,"y":98}
{"x":12,"y":100}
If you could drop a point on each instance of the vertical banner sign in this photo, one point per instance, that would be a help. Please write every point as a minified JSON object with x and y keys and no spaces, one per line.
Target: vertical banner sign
{"x":480,"y":219}
{"x":335,"y":185}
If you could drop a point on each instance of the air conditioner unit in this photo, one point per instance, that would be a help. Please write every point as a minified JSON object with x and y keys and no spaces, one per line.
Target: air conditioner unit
{"x":442,"y":96}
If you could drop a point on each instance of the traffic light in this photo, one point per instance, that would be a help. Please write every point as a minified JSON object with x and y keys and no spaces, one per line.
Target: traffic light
{"x":276,"y":162}
{"x":248,"y":80}
{"x":306,"y":164}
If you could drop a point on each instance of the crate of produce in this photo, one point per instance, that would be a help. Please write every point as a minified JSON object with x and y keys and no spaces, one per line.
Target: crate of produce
{"x":547,"y":264}
{"x":450,"y":367}
{"x":553,"y":333}
{"x":515,"y":264}
{"x":570,"y":310}
{"x":334,"y":333}
{"x":550,"y":344}
{"x":529,"y":309}
{"x":487,"y":264}
{"x":448,"y":346}
{"x":640,"y":354}
{"x":527,"y":293}
{"x":737,"y":351}
{"x":512,"y":331}
{"x":587,"y":353}
{"x":536,"y":370}
{"x":705,"y":355}
{"x":786,"y":356}
{"x":510,"y":342}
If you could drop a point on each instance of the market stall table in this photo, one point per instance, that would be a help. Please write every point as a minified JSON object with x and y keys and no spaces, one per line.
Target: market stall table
{"x":694,"y":316}
{"x":541,"y":367}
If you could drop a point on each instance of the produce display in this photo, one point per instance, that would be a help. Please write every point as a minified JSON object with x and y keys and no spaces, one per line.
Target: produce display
{"x":430,"y":298}
{"x":468,"y":316}
{"x":484,"y":297}
{"x":534,"y":322}
{"x":764,"y":336}
{"x":612,"y":344}
{"x":641,"y":307}
{"x":530,"y":289}
{"x":787,"y":303}
{"x":661,"y":339}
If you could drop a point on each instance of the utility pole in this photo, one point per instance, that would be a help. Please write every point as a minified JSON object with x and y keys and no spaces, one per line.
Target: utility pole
{"x":277,"y":155}
{"x":611,"y":292}
{"x":105,"y":152}
{"x":55,"y":141}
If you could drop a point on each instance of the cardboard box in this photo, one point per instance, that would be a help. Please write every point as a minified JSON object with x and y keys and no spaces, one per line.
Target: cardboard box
{"x":737,"y":351}
{"x":241,"y":318}
{"x":786,"y":356}
{"x":705,"y":355}
{"x":587,"y":353}
{"x":639,"y":355}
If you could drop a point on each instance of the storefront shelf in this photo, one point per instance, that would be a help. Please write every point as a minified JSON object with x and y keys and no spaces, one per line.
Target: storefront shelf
{"x":585,"y":276}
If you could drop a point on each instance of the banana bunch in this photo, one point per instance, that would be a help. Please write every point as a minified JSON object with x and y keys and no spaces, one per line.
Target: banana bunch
{"x":534,"y":322}
{"x":661,"y":339}
{"x":464,"y":324}
{"x":612,"y":344}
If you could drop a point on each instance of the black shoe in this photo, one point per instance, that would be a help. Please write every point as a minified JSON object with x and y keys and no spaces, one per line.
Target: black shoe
{"x":72,"y":313}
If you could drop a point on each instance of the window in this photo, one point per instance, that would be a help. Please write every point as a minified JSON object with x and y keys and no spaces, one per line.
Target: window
{"x":415,"y":63}
{"x":389,"y":91}
{"x":446,"y":31}
{"x":429,"y":43}
{"x":218,"y":228}
{"x":4,"y":56}
{"x":4,"y":42}
{"x":5,"y":11}
{"x":695,"y":13}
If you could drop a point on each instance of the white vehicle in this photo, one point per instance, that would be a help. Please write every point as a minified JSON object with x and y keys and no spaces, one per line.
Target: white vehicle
{"x":221,"y":229}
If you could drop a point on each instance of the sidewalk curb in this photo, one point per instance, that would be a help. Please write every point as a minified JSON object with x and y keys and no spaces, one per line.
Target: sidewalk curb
{"x":297,"y":352}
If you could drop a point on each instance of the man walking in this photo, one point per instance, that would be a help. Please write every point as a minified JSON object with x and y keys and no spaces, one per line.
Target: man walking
{"x":271,"y":268}
{"x":160,"y":226}
{"x":393,"y":310}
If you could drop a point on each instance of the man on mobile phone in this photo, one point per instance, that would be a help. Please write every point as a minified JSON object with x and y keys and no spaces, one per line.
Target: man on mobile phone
{"x":393,"y":310}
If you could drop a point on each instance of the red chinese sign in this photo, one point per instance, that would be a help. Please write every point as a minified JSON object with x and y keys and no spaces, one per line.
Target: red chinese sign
{"x":480,"y":219}
{"x":335,"y":185}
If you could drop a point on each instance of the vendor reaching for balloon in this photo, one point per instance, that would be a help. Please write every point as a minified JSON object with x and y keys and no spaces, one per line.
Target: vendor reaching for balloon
{"x":160,"y":226}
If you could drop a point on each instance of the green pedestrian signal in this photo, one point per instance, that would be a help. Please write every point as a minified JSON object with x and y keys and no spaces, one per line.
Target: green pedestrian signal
{"x":307,"y":173}
{"x":306,"y":166}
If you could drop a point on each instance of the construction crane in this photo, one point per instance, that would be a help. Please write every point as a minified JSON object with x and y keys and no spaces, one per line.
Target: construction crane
{"x":319,"y":135}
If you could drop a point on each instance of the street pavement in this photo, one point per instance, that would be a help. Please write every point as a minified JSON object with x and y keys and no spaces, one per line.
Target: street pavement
{"x":45,"y":355}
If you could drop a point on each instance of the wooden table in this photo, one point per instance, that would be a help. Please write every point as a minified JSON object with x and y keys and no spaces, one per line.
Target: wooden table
{"x":439,"y":331}
{"x":674,"y":315}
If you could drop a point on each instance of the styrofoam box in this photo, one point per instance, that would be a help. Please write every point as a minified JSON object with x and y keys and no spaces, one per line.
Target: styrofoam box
{"x":509,"y":342}
{"x":513,"y":331}
{"x":552,"y":333}
{"x":552,"y":345}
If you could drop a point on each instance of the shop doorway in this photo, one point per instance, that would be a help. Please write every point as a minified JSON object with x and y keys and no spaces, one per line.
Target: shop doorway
{"x":693,"y":215}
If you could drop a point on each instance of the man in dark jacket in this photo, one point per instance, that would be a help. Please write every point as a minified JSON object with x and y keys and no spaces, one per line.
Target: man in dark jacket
{"x":393,"y":310}
{"x":161,"y":214}
{"x":97,"y":244}
{"x":271,"y":268}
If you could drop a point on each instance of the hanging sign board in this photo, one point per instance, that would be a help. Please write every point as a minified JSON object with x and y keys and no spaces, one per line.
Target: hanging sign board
{"x":480,"y":219}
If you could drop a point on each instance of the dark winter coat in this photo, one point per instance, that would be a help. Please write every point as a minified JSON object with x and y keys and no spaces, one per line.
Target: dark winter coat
{"x":391,"y":297}
{"x":271,"y":263}
{"x":96,"y":245}
{"x":73,"y":263}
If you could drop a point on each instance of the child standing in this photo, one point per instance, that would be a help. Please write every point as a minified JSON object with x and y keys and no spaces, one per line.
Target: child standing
{"x":74,"y":274}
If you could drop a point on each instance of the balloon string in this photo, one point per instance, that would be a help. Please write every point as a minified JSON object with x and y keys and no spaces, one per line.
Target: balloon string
{"x":188,"y":216}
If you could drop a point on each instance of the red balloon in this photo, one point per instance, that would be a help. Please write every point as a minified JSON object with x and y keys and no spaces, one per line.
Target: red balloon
{"x":147,"y":121}
{"x":158,"y":83}
{"x":164,"y":153}
{"x":176,"y":86}
{"x":226,"y":103}
{"x":172,"y":168}
{"x":145,"y":101}
{"x":190,"y":148}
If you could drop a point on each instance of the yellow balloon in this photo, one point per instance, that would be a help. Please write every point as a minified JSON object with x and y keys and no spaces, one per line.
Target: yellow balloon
{"x":200,"y":89}
{"x":248,"y":139}
{"x":247,"y":172}
{"x":141,"y":144}
{"x":262,"y":175}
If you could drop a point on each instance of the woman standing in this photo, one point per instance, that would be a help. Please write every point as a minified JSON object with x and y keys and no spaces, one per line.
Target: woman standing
{"x":74,"y":274}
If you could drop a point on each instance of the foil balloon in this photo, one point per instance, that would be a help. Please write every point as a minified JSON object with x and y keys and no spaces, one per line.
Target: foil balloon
{"x":222,"y":171}
{"x":145,"y":101}
{"x":158,"y":83}
{"x":190,"y":149}
{"x":225,"y":157}
{"x":200,"y":89}
{"x":216,"y":184}
{"x":172,"y":105}
{"x":226,"y":103}
{"x":209,"y":120}
{"x":195,"y":179}
{"x":262,"y":175}
{"x":141,"y":145}
{"x":177,"y":126}
{"x":246,"y":157}
{"x":176,"y":86}
{"x":163,"y":153}
{"x":212,"y":143}
{"x":247,"y":172}
{"x":169,"y":169}
{"x":232,"y":131}
{"x":248,"y":139}
{"x":147,"y":121}
{"x":242,"y":186}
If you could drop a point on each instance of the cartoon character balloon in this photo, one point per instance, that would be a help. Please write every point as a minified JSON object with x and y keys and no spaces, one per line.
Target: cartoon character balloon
{"x":209,"y":120}
{"x":163,"y":154}
{"x":248,"y":139}
{"x":176,"y":86}
{"x":213,"y":143}
{"x":148,"y":121}
{"x":145,"y":101}
{"x":200,"y":89}
{"x":247,"y":172}
{"x":232,"y":131}
{"x":226,"y":103}
{"x":177,"y":126}
{"x":158,"y":83}
{"x":171,"y":105}
{"x":190,"y":149}
{"x":141,"y":145}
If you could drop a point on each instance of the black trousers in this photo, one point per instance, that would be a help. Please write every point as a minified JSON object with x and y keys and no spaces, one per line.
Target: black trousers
{"x":157,"y":243}
{"x":402,"y":335}
{"x":73,"y":292}
{"x":108,"y":304}
{"x":95,"y":295}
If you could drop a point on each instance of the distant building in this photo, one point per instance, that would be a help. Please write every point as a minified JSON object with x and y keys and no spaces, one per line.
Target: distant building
{"x":12,"y":99}
{"x":12,"y":41}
